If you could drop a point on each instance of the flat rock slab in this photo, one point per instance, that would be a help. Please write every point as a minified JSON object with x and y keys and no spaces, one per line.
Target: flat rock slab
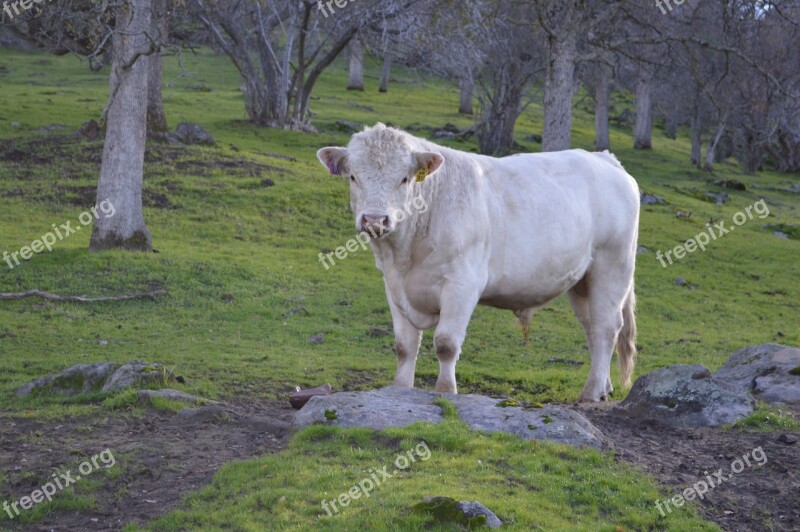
{"x":169,"y":394}
{"x":77,"y":379}
{"x":686,"y":396}
{"x":396,"y":406}
{"x":101,"y":376}
{"x":771,"y":372}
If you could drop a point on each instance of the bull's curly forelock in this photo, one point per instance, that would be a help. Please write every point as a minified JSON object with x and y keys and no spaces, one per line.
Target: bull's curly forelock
{"x":380,"y":143}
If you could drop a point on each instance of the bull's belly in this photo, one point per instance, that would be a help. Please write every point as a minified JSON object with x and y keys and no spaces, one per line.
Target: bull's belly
{"x":523,"y":298}
{"x":533,"y":288}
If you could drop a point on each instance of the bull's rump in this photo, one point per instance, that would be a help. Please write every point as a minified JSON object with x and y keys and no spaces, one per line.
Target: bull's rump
{"x":550,"y":214}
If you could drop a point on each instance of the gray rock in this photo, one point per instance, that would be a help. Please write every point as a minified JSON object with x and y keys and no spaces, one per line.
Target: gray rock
{"x":770,"y":371}
{"x":642,"y":249}
{"x":396,"y":406}
{"x":552,"y":423}
{"x":147,"y":396}
{"x":781,"y":234}
{"x":136,"y":373}
{"x":651,"y":199}
{"x":686,"y":396}
{"x":81,"y":378}
{"x":316,"y":339}
{"x":191,"y":133}
{"x":719,"y":198}
{"x":203,"y":414}
{"x":472,"y":509}
{"x":468,"y":514}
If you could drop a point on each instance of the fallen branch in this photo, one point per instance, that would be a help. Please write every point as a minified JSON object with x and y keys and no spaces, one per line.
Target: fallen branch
{"x":78,"y":299}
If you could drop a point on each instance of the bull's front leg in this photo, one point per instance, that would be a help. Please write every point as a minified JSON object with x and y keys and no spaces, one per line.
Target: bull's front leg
{"x":457,"y":305}
{"x":406,"y":345}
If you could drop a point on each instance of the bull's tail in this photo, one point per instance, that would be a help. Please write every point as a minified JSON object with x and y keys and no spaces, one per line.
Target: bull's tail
{"x":626,"y":342}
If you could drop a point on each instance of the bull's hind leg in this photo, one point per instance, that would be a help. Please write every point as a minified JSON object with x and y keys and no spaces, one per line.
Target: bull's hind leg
{"x":608,"y":285}
{"x":406,"y":345}
{"x":579,"y":300}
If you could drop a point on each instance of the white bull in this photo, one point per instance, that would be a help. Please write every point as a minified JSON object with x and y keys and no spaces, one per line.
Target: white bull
{"x":512,"y":233}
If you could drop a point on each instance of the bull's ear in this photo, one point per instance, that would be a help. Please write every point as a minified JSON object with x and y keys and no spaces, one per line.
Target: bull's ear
{"x":334,"y":159}
{"x":427,"y":164}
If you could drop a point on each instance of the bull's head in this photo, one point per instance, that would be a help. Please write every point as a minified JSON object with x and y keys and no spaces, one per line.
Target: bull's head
{"x":383,"y":171}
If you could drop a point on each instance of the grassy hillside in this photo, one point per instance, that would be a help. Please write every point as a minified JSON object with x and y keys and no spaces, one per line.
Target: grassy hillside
{"x":239,"y":259}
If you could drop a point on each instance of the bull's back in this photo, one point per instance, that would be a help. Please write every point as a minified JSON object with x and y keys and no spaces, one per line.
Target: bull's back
{"x":549,"y":213}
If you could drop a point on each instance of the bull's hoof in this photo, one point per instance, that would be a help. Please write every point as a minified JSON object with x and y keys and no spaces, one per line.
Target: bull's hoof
{"x":585,"y":398}
{"x":444,"y":387}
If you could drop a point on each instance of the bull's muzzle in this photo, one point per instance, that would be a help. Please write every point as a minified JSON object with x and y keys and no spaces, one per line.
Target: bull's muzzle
{"x":377,"y":224}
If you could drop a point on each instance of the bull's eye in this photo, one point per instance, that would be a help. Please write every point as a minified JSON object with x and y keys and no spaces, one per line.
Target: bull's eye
{"x":353,"y":178}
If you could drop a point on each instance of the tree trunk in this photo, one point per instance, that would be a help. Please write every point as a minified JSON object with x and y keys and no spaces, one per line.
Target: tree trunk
{"x":156,"y":118}
{"x":711,"y":148}
{"x":122,"y":168}
{"x":356,"y":82}
{"x":643,"y":132}
{"x":696,"y":134}
{"x":671,"y":126}
{"x":495,"y":133}
{"x":387,"y":70}
{"x":558,"y":90}
{"x":465,"y":87}
{"x":602,"y":139}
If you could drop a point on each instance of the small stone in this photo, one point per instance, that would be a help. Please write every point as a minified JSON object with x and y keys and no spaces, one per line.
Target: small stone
{"x":642,"y":249}
{"x":788,"y":439}
{"x":651,"y":199}
{"x":468,"y":514}
{"x":191,"y":133}
{"x":315,"y":339}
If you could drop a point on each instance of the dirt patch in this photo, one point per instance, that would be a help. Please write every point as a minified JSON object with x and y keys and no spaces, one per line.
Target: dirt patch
{"x":74,"y":155}
{"x":163,"y":456}
{"x":757,"y":498}
{"x":83,"y":196}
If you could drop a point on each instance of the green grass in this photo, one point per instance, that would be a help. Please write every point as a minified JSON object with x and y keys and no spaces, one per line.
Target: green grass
{"x":246,"y":289}
{"x":531,"y":486}
{"x":767,"y":418}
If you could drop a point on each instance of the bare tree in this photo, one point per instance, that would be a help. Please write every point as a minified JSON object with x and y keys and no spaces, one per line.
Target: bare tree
{"x":385,"y":72}
{"x":126,"y":123}
{"x":466,"y":87}
{"x":356,"y":81}
{"x":156,"y":117}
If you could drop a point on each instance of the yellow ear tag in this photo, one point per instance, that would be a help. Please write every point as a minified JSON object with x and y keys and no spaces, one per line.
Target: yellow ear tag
{"x":422,"y":173}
